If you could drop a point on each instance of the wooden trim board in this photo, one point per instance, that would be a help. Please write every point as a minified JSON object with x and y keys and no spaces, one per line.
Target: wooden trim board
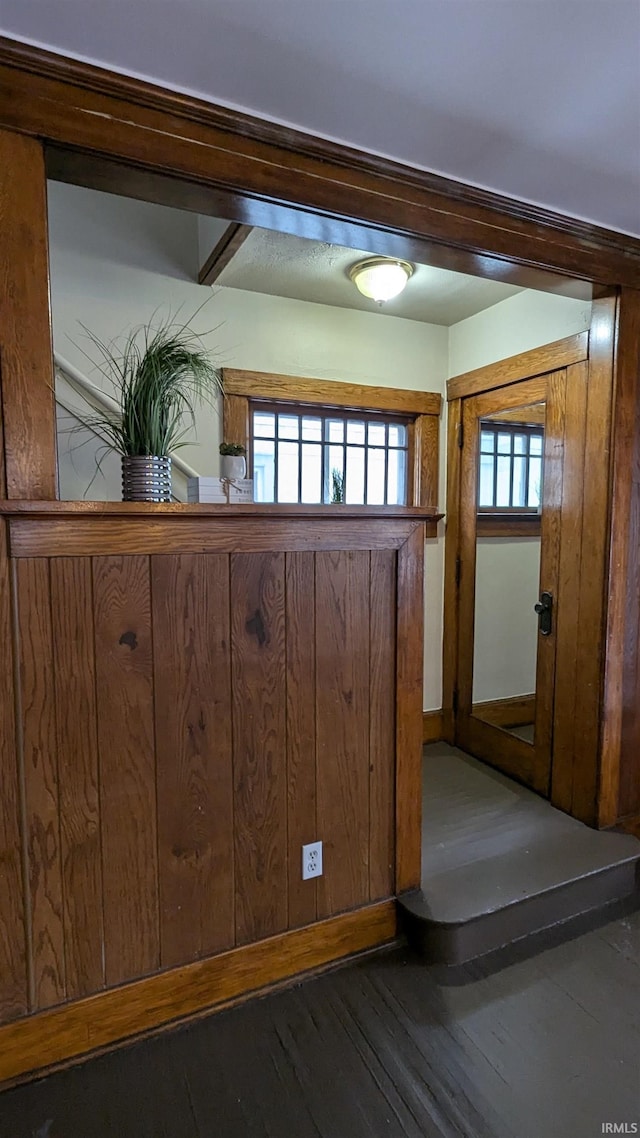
{"x":432,"y":726}
{"x":409,"y":689}
{"x":197,"y":150}
{"x":537,"y":361}
{"x":26,"y":352}
{"x":329,"y":392}
{"x":223,"y":252}
{"x":94,"y":537}
{"x":450,"y":639}
{"x":74,"y":1030}
{"x":619,"y":779}
{"x":509,"y":525}
{"x":515,"y":711}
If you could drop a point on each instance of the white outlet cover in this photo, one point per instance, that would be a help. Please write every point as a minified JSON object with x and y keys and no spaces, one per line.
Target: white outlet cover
{"x":311,"y":860}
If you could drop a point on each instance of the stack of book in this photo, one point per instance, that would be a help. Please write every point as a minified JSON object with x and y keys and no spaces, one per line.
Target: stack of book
{"x":220,"y":490}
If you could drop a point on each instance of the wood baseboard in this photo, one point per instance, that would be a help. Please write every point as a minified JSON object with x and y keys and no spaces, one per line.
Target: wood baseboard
{"x":432,"y":726}
{"x":72,"y":1031}
{"x":516,"y":711}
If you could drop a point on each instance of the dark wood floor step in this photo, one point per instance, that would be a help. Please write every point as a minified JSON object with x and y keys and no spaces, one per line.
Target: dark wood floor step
{"x":499,"y":863}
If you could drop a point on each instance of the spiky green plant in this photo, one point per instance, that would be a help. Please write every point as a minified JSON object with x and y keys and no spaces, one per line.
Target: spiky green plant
{"x":158,"y":377}
{"x":337,"y":486}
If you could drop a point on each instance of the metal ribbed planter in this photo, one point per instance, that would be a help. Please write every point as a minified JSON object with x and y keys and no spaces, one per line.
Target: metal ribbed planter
{"x":146,"y":478}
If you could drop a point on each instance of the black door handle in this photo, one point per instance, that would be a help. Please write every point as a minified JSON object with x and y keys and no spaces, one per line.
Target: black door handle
{"x":544,"y":609}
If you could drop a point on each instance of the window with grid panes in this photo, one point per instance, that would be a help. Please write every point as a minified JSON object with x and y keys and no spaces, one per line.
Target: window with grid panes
{"x":297,"y":453}
{"x":510,"y":475}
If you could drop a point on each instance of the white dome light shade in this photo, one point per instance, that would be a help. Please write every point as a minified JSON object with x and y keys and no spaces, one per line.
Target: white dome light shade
{"x":379,"y":278}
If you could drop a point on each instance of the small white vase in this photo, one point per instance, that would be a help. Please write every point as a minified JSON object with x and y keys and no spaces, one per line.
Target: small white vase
{"x":233,"y":466}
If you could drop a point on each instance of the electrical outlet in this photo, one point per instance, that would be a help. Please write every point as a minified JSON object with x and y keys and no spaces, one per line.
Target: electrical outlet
{"x":312,"y":860}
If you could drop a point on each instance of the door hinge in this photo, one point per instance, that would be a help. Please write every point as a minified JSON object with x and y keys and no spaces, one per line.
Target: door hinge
{"x":458,"y":571}
{"x":460,"y":435}
{"x":454,"y":701}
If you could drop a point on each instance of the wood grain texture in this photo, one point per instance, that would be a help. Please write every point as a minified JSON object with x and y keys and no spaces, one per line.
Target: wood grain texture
{"x":382,"y":724}
{"x":465,"y":538}
{"x":77,"y":760}
{"x":42,"y":1041}
{"x":42,"y":782}
{"x":620,"y":778}
{"x":549,"y":357}
{"x":25,"y":331}
{"x":266,"y":512}
{"x":192,"y":677}
{"x":14,"y":916}
{"x":450,"y":618}
{"x":124,"y":682}
{"x":426,"y":460}
{"x":567,"y":609}
{"x":302,"y":824}
{"x":104,"y":536}
{"x":236,"y":427}
{"x":529,"y":415}
{"x":16,"y":981}
{"x":214,"y":148}
{"x":508,"y":525}
{"x":258,"y":649}
{"x":514,"y":711}
{"x":591,"y":643}
{"x":329,"y":393}
{"x":342,"y":728}
{"x":409,"y":686}
{"x":223,"y":253}
{"x":432,"y":727}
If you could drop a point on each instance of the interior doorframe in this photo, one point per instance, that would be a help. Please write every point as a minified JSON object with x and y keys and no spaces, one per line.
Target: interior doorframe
{"x":576,"y":764}
{"x":512,"y":755}
{"x":86,"y":125}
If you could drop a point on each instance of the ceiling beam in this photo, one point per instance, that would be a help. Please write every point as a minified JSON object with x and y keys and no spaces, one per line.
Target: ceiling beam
{"x":223,"y":252}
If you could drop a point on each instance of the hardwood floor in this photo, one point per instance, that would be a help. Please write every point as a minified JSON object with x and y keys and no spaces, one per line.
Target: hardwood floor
{"x":547,"y":1047}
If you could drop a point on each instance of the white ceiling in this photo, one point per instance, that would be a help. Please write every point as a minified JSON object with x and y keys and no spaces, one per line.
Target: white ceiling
{"x":281,"y":265}
{"x":538,"y":99}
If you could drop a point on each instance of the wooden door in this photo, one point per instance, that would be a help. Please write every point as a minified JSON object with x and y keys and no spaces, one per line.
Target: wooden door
{"x":510,"y":502}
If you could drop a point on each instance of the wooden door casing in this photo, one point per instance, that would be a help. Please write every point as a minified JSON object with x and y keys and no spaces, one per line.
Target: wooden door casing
{"x":583,"y":770}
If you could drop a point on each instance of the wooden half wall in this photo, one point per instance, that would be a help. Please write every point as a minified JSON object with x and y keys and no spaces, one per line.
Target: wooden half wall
{"x":198,"y":692}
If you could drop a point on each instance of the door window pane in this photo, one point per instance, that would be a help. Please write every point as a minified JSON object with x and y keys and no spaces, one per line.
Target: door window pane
{"x":510,"y":466}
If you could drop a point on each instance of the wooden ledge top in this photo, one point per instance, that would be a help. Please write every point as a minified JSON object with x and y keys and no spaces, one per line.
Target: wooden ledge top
{"x":175,"y":511}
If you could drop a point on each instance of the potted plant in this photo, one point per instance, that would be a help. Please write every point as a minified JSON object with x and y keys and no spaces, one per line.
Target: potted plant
{"x":158,"y":376}
{"x":233,"y":463}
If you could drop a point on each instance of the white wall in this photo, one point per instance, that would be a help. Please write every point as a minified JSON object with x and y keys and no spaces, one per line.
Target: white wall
{"x":506,"y":627}
{"x":107,"y":277}
{"x":524,"y":321}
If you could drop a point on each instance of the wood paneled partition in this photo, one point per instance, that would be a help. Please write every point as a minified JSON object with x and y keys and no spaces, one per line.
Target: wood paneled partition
{"x":187,"y":719}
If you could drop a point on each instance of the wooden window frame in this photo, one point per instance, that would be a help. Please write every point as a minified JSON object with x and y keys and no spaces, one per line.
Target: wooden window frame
{"x":421,"y":408}
{"x":508,"y":521}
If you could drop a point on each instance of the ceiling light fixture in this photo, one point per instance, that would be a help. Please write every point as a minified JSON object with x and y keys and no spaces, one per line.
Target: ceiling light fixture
{"x":379,"y":278}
